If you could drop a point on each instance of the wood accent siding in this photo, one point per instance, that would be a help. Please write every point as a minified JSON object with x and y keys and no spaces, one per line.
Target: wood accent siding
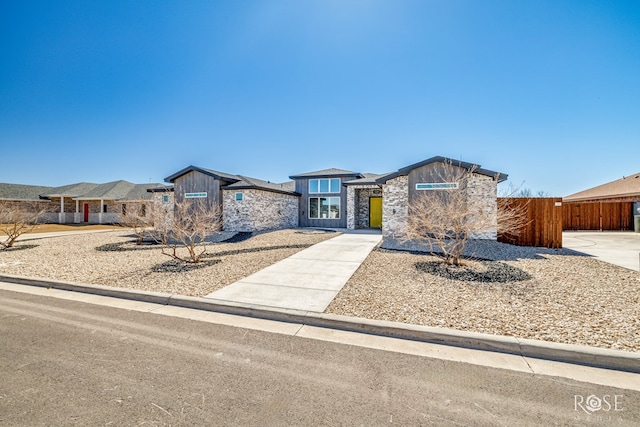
{"x":544,"y":222}
{"x":426,"y":173}
{"x":196,"y":182}
{"x":302,"y":187}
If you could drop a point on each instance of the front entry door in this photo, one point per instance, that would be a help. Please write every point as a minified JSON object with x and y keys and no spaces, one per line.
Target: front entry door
{"x":375,"y":212}
{"x":85,"y":210}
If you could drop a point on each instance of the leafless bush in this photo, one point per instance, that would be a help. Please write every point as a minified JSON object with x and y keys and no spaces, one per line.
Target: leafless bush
{"x":136,"y":217}
{"x":183,"y":234}
{"x":17,"y":218}
{"x":444,"y":219}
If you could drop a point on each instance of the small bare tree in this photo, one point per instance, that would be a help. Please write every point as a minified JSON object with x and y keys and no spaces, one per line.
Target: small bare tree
{"x":446,"y":214}
{"x":183,"y":236}
{"x":136,"y":217}
{"x":18,"y":218}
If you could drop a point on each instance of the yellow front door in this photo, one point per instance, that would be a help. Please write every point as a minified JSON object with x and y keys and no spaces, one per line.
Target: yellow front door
{"x":375,"y":212}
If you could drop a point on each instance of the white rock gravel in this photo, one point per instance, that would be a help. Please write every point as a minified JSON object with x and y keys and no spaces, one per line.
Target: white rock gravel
{"x":544,"y":294}
{"x":74,"y":258}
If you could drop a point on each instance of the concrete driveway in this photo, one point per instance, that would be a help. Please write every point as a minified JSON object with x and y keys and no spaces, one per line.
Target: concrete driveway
{"x":615,"y":247}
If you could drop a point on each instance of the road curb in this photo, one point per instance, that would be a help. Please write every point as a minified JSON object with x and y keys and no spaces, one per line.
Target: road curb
{"x":569,"y":353}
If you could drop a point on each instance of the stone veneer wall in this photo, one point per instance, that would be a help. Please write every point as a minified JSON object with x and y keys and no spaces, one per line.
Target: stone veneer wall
{"x":483,"y":190}
{"x":395,"y":210}
{"x":358,"y":204}
{"x":395,"y":207}
{"x":258,"y":210}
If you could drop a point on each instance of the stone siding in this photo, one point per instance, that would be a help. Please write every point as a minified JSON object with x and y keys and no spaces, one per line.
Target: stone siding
{"x":358,"y":204}
{"x":481,"y":191}
{"x":395,"y":207}
{"x":258,"y":210}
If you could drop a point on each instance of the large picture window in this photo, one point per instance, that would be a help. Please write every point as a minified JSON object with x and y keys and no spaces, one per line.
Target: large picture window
{"x":324,"y":185}
{"x":324,"y":207}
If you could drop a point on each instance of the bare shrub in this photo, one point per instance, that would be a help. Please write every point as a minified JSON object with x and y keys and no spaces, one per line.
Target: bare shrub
{"x":136,"y":217}
{"x":183,"y":234}
{"x":17,"y":218}
{"x":444,"y":219}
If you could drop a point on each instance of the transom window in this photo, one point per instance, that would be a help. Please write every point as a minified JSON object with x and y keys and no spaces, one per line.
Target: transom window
{"x":324,"y":185}
{"x":324,"y":207}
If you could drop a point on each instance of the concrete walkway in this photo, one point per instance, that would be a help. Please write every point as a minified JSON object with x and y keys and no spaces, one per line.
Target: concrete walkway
{"x":308,"y":280}
{"x":616,"y":247}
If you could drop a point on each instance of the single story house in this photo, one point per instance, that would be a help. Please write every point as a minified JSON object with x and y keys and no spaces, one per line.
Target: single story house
{"x":329,"y":198}
{"x":84,"y":202}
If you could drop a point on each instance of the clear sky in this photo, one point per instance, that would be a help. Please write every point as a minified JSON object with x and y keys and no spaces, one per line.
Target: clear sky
{"x":545,"y":91}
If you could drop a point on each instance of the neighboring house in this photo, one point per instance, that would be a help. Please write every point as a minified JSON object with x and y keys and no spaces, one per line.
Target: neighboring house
{"x":625,"y":189}
{"x":329,"y":198}
{"x":84,"y":202}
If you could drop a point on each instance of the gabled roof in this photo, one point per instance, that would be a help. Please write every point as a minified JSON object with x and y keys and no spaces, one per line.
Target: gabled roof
{"x":216,"y":174}
{"x":247,"y":183}
{"x":110,"y":191}
{"x":439,"y":159}
{"x":21,"y":191}
{"x":628,"y":186}
{"x":328,"y":173}
{"x":71,"y":190}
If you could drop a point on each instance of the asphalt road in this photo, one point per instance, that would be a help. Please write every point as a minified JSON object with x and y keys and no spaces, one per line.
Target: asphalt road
{"x":71,"y":363}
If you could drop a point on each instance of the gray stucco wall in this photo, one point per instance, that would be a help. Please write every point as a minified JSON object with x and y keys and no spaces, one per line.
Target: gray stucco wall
{"x":258,"y":210}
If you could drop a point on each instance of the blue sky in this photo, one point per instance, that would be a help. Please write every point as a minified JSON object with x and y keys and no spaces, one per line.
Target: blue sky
{"x":545,"y":91}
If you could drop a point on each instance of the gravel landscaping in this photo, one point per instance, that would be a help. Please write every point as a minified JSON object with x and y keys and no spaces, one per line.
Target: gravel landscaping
{"x":111,"y":259}
{"x":544,"y":294}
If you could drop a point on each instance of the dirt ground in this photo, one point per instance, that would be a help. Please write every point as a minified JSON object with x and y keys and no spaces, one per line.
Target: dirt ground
{"x":50,"y":228}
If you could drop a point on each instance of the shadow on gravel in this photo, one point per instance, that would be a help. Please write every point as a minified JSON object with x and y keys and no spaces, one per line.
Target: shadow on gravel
{"x":251,"y":250}
{"x":175,"y":266}
{"x":480,"y":271}
{"x":17,"y":248}
{"x":152,"y":244}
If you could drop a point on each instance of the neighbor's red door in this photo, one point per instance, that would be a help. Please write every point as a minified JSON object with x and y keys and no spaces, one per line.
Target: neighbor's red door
{"x":86,"y":212}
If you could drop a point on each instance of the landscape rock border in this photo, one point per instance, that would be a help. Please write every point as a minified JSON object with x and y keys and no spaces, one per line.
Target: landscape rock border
{"x":568,"y":353}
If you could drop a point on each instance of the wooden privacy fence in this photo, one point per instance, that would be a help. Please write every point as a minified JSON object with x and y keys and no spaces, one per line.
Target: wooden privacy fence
{"x":543,"y":223}
{"x":595,"y":215}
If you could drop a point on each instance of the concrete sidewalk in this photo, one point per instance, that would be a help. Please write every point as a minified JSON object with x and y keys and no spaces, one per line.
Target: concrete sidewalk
{"x":306,"y":281}
{"x":619,"y":247}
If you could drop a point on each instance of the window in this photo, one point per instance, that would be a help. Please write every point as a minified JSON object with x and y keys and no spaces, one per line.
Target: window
{"x":165,"y":198}
{"x":104,"y":208}
{"x":239,"y":196}
{"x":324,"y":207}
{"x":143,"y":210}
{"x":324,"y":185}
{"x":124,"y":209}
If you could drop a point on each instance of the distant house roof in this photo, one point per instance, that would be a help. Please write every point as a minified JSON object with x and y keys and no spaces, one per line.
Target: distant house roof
{"x":21,"y":191}
{"x":116,"y":190}
{"x":626,"y":187}
{"x":247,"y":183}
{"x":71,"y":190}
{"x":439,"y":159}
{"x":328,"y":173}
{"x":216,"y":174}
